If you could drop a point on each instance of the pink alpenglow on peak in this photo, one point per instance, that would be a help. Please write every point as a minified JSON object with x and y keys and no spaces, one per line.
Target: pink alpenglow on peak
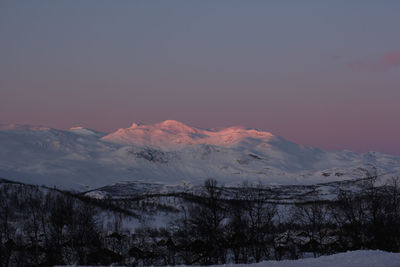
{"x":135,"y":124}
{"x":171,"y":134}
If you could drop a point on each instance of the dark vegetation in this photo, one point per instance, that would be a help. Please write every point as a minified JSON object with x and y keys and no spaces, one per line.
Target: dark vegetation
{"x":44,"y":227}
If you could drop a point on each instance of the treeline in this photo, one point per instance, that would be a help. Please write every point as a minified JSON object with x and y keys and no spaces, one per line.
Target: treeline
{"x":246,"y":228}
{"x":45,"y":227}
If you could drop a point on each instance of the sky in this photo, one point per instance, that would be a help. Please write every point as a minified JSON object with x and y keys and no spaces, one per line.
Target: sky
{"x":319,"y":73}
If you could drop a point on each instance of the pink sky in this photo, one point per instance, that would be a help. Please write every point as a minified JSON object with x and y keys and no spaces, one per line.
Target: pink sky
{"x":319,"y":75}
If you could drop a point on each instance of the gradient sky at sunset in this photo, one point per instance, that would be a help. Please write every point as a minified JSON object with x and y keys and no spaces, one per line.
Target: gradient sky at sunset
{"x":325,"y":75}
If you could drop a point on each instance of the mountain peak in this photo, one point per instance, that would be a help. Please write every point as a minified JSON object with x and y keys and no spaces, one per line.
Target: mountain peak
{"x":135,"y":124}
{"x":175,"y":126}
{"x":171,"y":122}
{"x":172,"y":134}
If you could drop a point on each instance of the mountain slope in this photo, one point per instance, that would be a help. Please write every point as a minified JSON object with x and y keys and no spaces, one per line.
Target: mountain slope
{"x":171,"y":152}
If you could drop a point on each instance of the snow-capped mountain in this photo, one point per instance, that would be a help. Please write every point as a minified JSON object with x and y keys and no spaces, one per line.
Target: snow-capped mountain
{"x":171,"y":152}
{"x":172,"y":135}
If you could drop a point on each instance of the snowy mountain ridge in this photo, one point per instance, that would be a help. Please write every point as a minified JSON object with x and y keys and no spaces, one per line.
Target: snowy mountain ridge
{"x":173,"y":153}
{"x":171,"y":135}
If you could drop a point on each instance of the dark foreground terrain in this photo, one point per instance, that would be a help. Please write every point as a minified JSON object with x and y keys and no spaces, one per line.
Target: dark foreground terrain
{"x":41,"y":226}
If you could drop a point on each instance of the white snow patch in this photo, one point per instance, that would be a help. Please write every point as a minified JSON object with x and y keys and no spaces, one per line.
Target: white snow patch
{"x":360,"y":258}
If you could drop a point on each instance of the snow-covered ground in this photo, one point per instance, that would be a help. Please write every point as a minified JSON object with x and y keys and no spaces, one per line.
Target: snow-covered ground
{"x":360,"y":258}
{"x":171,"y":153}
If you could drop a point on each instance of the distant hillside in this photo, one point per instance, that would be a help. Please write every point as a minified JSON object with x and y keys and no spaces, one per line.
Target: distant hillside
{"x":172,"y":153}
